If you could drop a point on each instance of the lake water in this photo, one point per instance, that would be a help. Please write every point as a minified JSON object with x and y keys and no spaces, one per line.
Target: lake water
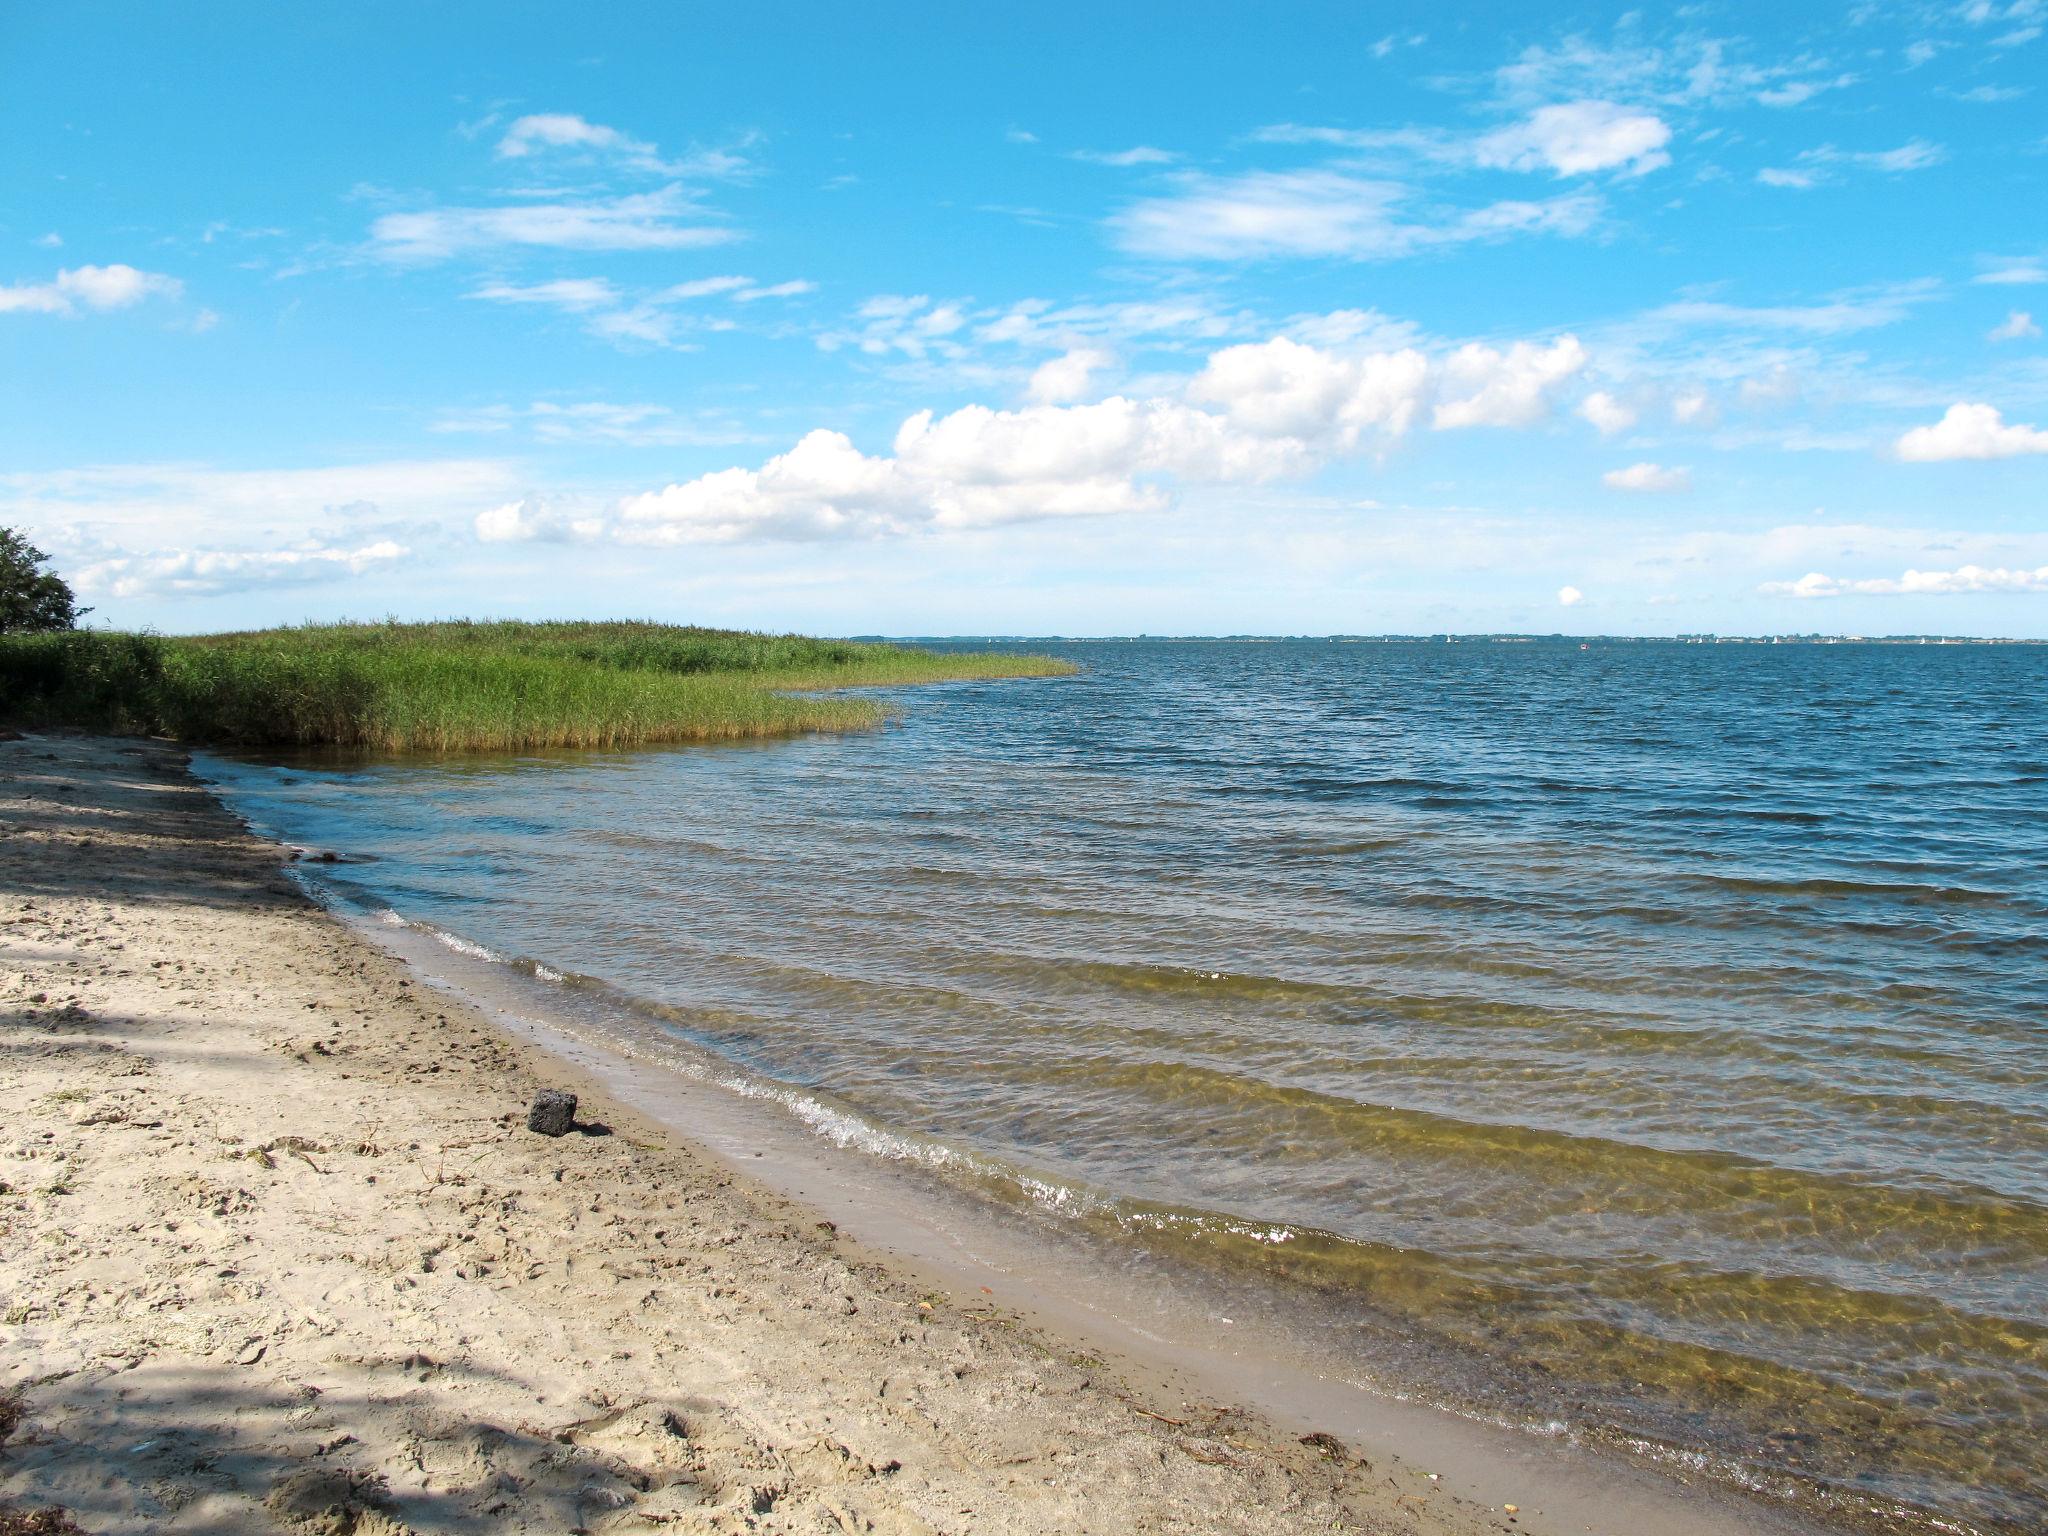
{"x":1650,"y":1038}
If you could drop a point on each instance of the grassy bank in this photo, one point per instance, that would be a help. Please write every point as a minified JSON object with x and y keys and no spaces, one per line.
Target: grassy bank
{"x":464,"y":687}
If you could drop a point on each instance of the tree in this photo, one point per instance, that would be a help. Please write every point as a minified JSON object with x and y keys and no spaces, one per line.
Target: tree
{"x":32,"y":598}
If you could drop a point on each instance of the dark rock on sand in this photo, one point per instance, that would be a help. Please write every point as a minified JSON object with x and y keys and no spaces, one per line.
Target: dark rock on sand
{"x":553,"y":1113}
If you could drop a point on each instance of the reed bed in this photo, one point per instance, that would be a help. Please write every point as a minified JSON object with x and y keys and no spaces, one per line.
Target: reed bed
{"x":460,"y":686}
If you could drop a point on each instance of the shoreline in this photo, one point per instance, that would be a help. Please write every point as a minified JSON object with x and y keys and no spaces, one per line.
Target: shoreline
{"x":280,"y":1253}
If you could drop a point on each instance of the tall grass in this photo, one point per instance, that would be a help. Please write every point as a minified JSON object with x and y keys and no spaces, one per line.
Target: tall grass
{"x":465,"y":687}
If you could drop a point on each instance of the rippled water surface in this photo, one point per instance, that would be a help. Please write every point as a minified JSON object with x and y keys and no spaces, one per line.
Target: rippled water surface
{"x":1657,"y":1030}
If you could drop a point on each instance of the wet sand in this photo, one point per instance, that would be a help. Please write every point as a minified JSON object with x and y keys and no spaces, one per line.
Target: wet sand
{"x":277,"y":1252}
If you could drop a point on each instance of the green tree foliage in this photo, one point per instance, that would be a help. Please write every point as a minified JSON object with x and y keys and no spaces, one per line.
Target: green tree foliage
{"x":31,"y":598}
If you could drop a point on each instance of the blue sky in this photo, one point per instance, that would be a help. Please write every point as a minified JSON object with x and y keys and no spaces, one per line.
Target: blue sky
{"x":1082,"y":319}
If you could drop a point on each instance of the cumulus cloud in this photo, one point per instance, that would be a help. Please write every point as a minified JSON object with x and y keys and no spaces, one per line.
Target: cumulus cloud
{"x":1488,"y":388}
{"x":1253,"y":413}
{"x":203,"y":572}
{"x":1575,"y":138}
{"x":1570,"y":597}
{"x":532,"y":518}
{"x":1321,"y":213}
{"x":1607,"y":414}
{"x":1284,"y":392}
{"x":2018,"y":325}
{"x":1969,"y":431}
{"x":1065,"y":378}
{"x":1963,"y":579}
{"x":647,"y":221}
{"x":1648,"y":478}
{"x":117,"y":286}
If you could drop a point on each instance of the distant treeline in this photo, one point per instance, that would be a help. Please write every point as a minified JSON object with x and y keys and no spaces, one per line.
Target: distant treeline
{"x":462,"y":686}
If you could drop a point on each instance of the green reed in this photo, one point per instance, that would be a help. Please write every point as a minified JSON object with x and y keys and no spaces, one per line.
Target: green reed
{"x":466,"y":686}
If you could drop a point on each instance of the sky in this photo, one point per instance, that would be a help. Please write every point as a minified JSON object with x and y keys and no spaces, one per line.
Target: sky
{"x":918,"y":319}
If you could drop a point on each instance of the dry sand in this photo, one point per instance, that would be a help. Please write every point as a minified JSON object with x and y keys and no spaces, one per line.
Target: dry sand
{"x":278,"y":1253}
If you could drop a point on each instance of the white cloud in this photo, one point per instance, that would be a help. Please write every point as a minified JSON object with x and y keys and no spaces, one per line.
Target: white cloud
{"x":1570,"y":597}
{"x":789,"y":290}
{"x":1694,"y":408}
{"x":1646,"y":478}
{"x":908,"y":323}
{"x":1141,"y":154}
{"x":565,"y":132}
{"x":1065,"y":378}
{"x":1573,"y":138}
{"x":203,"y":572}
{"x":2018,"y":325}
{"x":1255,"y":412}
{"x":2014,"y":271}
{"x":151,"y":510}
{"x":1488,"y":388}
{"x":533,"y":519}
{"x":1858,"y":310}
{"x":648,"y":221}
{"x":1815,"y":165}
{"x":596,"y":421}
{"x":1964,"y":579}
{"x":615,"y":317}
{"x":1325,"y":401}
{"x":575,"y":294}
{"x":1969,"y":431}
{"x":1794,"y":93}
{"x":1607,"y":414}
{"x":1578,"y":137}
{"x":1320,"y":213}
{"x":116,"y":286}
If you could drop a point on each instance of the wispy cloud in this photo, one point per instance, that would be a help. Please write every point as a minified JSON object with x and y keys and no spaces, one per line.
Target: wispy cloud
{"x":2013,"y":271}
{"x":1324,"y":213}
{"x":596,"y":421}
{"x":1573,"y":138}
{"x":575,"y":294}
{"x":564,"y":134}
{"x":666,"y":220}
{"x":1816,"y":166}
{"x":648,"y":318}
{"x":1141,"y":154}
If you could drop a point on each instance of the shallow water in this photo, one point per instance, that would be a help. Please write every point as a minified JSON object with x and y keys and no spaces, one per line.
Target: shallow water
{"x":1649,"y":1037}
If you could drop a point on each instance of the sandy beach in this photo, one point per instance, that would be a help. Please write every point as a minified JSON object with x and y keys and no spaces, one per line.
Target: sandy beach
{"x":277,"y":1251}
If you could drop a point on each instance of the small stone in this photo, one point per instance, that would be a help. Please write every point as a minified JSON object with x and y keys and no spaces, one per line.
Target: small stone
{"x":553,"y":1113}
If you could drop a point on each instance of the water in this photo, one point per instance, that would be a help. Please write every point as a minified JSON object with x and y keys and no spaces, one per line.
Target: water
{"x":1648,"y":1037}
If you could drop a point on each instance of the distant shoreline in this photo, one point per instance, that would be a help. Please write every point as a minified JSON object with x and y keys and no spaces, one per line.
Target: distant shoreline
{"x":1447,"y":638}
